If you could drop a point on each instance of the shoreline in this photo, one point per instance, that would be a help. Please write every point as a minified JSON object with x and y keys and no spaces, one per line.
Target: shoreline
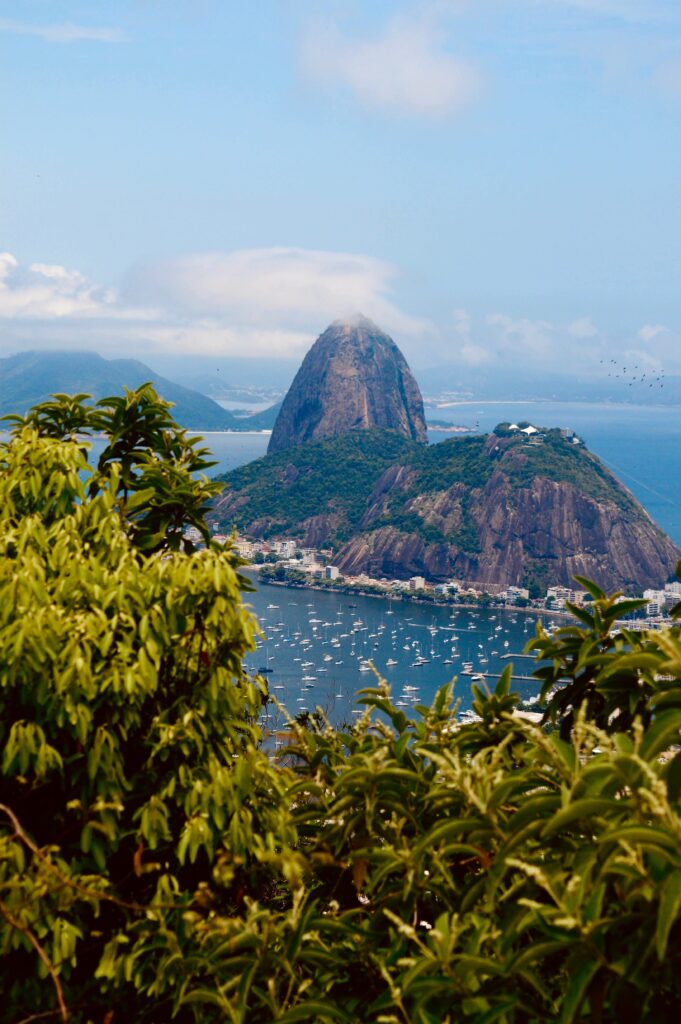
{"x":237,"y":433}
{"x":404,"y":599}
{"x":554,"y":613}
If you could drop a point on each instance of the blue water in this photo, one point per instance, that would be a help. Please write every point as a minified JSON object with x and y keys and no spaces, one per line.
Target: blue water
{"x":316,"y":642}
{"x":641,"y":444}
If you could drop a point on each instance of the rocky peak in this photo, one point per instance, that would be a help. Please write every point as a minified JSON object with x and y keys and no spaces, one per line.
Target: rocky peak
{"x":353,"y":378}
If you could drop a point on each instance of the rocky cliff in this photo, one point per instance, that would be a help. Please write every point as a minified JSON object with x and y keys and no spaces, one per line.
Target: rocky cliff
{"x":497,"y":509}
{"x":354,"y":377}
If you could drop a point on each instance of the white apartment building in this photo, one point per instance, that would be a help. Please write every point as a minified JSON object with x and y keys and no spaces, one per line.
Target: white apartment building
{"x":559,"y":595}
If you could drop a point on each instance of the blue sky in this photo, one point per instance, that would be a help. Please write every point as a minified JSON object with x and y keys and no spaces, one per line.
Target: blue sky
{"x":491,"y":181}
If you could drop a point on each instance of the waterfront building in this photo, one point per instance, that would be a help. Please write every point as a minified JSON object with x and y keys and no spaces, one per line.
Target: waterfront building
{"x":517,"y":594}
{"x":558,"y":596}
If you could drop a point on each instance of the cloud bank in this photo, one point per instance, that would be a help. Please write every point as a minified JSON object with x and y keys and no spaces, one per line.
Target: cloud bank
{"x":256,"y":302}
{"x":501,"y":341}
{"x":272,"y":303}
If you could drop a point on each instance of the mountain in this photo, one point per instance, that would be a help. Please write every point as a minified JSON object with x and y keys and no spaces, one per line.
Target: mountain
{"x":354,"y":377}
{"x":31,"y":377}
{"x":499,"y":508}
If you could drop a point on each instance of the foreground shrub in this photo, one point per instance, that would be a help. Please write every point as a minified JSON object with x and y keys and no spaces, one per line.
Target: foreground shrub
{"x":158,"y":863}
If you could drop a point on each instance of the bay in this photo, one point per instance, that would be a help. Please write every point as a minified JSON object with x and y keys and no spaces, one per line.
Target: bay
{"x":319,"y":649}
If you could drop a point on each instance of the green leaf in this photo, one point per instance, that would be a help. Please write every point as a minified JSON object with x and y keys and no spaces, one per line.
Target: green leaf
{"x":664,"y":731}
{"x":504,"y":684}
{"x":670,"y":903}
{"x":640,"y":835}
{"x":577,"y":984}
{"x":672,"y":776}
{"x":590,"y":587}
{"x":313,"y":1010}
{"x":580,"y":809}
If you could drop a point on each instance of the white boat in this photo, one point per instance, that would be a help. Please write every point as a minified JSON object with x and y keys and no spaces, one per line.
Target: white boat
{"x":391,"y":661}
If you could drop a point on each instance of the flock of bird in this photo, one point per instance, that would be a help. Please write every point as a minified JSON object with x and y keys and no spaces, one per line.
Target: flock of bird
{"x":630,"y":375}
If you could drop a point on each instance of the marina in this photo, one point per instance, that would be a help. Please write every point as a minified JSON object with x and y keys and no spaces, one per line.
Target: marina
{"x":319,"y":648}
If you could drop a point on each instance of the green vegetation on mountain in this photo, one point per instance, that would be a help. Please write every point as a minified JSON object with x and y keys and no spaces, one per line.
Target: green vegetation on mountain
{"x":338,"y":475}
{"x":331,"y":477}
{"x":557,"y":458}
{"x":498,"y":508}
{"x":158,"y":861}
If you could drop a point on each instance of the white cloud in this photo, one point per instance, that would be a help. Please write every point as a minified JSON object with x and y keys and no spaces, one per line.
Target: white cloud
{"x":582,"y":328}
{"x":289,"y":286}
{"x":651,"y":331}
{"x":501,"y":341}
{"x":43,"y":291}
{"x":272,"y":303}
{"x":406,"y":69}
{"x":64,"y":32}
{"x":660,"y":348}
{"x":520,"y":336}
{"x":468,"y":351}
{"x":262,"y":302}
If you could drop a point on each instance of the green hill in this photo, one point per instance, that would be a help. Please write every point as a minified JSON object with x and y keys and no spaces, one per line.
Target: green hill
{"x":497,"y":508}
{"x":30,"y":377}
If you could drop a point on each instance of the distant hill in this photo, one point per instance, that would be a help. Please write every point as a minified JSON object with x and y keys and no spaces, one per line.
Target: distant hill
{"x":31,"y":377}
{"x":353,"y":378}
{"x":500,"y":508}
{"x":263,"y":420}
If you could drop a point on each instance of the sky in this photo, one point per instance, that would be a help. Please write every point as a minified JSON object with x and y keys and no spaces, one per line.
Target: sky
{"x":495,"y":182}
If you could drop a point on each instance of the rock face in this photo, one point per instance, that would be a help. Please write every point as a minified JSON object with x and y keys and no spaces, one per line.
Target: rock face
{"x":354,"y":377}
{"x":500,"y":509}
{"x":548,"y":532}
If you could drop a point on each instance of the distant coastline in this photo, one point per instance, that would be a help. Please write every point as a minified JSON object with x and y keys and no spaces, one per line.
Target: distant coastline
{"x":237,"y":433}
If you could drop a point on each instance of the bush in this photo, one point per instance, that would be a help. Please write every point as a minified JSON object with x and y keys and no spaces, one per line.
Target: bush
{"x":158,"y":860}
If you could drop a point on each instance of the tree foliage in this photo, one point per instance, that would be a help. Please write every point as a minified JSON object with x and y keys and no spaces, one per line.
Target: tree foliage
{"x":160,"y":861}
{"x":152,"y":463}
